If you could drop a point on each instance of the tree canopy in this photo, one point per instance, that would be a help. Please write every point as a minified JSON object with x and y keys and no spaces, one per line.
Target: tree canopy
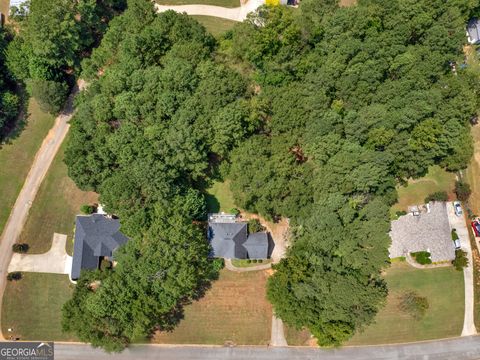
{"x":9,"y":100}
{"x":54,"y":35}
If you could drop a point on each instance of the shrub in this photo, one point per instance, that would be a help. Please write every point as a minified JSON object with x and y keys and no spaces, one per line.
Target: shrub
{"x":254,"y":260}
{"x":254,"y":226}
{"x":105,"y":265}
{"x":249,"y":261}
{"x":461,"y":260}
{"x":14,"y":276}
{"x":234,"y":211}
{"x":437,"y":196}
{"x":454,"y":235}
{"x":463,"y":190}
{"x":260,"y":260}
{"x":400,"y":213}
{"x":422,"y":257}
{"x":87,"y":209}
{"x":51,"y":95}
{"x":413,"y":304}
{"x":20,"y":248}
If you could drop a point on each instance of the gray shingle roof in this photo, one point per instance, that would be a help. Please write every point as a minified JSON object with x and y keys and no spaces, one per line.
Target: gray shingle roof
{"x":473,"y":31}
{"x":231,"y":241}
{"x":95,"y":236}
{"x":257,"y":245}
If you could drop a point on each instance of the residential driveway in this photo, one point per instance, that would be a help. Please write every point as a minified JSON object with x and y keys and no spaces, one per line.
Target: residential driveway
{"x":55,"y":261}
{"x":277,"y":336}
{"x":235,"y":14}
{"x":458,"y":223}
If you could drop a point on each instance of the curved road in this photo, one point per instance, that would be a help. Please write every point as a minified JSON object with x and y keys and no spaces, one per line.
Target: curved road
{"x":18,"y":215}
{"x":234,"y":14}
{"x":464,"y":348}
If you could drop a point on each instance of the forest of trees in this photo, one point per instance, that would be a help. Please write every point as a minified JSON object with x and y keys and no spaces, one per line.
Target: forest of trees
{"x":9,"y":99}
{"x":53,"y":37}
{"x":314,"y":114}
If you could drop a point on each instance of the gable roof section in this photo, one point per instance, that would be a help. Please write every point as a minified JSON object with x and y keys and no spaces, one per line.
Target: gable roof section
{"x":227,"y":240}
{"x":473,"y":31}
{"x":257,"y":245}
{"x":95,"y":236}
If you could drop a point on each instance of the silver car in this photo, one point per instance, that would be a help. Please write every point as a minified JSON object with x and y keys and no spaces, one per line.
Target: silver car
{"x":458,"y":208}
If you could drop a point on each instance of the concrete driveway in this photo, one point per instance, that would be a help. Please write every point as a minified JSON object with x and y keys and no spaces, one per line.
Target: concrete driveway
{"x":458,"y":223}
{"x":235,"y":14}
{"x":55,"y":261}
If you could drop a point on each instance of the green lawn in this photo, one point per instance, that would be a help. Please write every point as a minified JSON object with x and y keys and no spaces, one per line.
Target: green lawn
{"x":235,"y":310}
{"x":443,"y":288}
{"x":223,"y":3}
{"x":17,"y":156}
{"x":32,"y":307}
{"x":297,"y":337}
{"x":417,"y":190}
{"x":219,"y":197}
{"x":215,"y":26}
{"x":54,"y":208}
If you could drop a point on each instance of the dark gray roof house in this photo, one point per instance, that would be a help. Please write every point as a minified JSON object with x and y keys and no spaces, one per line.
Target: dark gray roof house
{"x":96,"y":236}
{"x":473,"y":31}
{"x":230,"y":240}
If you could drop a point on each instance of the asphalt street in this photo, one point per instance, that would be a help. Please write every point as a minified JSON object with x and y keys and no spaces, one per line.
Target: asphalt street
{"x":459,"y":349}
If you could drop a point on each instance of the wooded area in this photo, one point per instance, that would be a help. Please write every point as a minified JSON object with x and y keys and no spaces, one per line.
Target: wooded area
{"x":313,"y":113}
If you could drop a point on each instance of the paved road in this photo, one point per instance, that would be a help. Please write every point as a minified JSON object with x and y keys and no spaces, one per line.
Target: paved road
{"x":458,"y":223}
{"x":54,"y":261}
{"x":41,"y":163}
{"x":235,"y":14}
{"x":464,"y":348}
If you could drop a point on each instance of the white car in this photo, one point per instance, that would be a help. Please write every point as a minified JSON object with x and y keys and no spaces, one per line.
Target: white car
{"x":458,"y":208}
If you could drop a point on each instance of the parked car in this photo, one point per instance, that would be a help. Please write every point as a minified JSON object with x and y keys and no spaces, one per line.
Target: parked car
{"x":458,"y":208}
{"x":457,"y":244}
{"x":476,"y":227}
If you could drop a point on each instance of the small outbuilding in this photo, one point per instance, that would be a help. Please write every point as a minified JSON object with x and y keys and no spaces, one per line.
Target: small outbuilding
{"x":473,"y":31}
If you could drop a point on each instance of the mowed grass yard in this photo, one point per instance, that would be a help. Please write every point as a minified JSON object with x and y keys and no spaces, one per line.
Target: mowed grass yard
{"x":32,"y":307}
{"x":417,"y":190}
{"x":444,"y":290}
{"x":54,"y":208}
{"x":234,"y":310}
{"x":16,"y":157}
{"x":219,"y":197}
{"x":214,"y":25}
{"x":223,"y":3}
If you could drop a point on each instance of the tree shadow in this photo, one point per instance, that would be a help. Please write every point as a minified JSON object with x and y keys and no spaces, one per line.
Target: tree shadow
{"x":213,"y":205}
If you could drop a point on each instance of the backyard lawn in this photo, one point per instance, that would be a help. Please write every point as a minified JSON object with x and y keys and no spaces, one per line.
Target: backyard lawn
{"x":214,"y":25}
{"x":219,"y":197}
{"x":443,"y":288}
{"x":16,"y":157}
{"x":417,"y":190}
{"x":235,"y":310}
{"x":32,"y":307}
{"x":54,"y":208}
{"x":223,"y":3}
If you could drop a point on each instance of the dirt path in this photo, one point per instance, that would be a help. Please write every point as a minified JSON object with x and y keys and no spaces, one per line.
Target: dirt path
{"x":235,"y":14}
{"x":41,"y":163}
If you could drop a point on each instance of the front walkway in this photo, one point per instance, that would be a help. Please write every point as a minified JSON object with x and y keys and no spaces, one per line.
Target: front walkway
{"x":458,"y":223}
{"x":55,"y":261}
